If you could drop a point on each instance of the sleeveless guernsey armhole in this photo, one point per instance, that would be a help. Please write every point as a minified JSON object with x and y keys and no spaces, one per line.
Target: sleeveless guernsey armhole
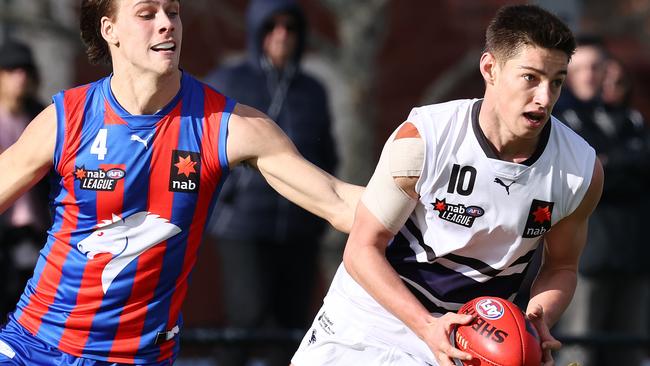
{"x":70,"y":108}
{"x":586,"y":182}
{"x":60,"y":129}
{"x":223,"y":134}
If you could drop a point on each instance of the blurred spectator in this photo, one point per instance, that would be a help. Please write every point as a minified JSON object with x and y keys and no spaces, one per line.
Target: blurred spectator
{"x":612,"y":293}
{"x":268,"y":246}
{"x":22,"y":227}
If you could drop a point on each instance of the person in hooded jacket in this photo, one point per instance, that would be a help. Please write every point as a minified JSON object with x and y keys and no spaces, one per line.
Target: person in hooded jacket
{"x":268,"y":246}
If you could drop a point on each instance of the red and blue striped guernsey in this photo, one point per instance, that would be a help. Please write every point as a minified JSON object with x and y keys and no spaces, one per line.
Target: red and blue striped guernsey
{"x":130,"y":201}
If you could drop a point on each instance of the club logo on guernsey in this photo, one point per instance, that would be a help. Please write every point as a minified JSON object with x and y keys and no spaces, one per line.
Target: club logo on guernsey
{"x":98,"y":180}
{"x":125,"y":239}
{"x":539,"y":219}
{"x":185,"y":172}
{"x":457,"y":214}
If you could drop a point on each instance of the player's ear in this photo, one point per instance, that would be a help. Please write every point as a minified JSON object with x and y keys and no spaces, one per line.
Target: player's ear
{"x":107,"y":29}
{"x":488,"y":65}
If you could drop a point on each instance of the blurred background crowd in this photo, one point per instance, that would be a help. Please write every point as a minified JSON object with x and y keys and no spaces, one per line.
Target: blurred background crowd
{"x":338,"y":76}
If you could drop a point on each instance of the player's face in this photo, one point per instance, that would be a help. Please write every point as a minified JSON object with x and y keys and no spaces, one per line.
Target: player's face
{"x":148,"y":34}
{"x":526,"y":89}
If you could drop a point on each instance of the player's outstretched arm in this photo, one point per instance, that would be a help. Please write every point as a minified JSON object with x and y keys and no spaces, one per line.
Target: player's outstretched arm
{"x":25,"y":162}
{"x":256,"y":140}
{"x":553,"y":289}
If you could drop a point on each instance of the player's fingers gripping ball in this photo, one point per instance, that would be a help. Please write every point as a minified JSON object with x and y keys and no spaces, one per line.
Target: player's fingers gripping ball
{"x":499,"y":335}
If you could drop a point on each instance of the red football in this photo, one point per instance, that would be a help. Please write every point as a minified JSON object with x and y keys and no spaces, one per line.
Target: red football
{"x":499,"y":335}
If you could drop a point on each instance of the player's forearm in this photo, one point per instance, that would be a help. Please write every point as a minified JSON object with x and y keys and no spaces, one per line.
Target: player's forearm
{"x":342,"y":214}
{"x":553,"y":290}
{"x":311,"y":188}
{"x":331,"y":199}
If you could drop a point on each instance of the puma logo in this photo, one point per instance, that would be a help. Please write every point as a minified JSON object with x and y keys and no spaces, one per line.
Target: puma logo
{"x":507,"y":187}
{"x":144,"y":142}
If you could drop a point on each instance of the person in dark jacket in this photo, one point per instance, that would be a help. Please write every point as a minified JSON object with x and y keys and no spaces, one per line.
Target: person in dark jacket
{"x":612,"y":295}
{"x":268,"y":246}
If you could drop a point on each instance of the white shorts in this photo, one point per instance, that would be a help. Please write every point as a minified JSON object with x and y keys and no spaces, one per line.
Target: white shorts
{"x":345,"y":334}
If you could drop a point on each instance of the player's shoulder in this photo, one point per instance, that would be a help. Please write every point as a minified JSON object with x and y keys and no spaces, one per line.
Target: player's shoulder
{"x":80,"y":91}
{"x":442,"y":119}
{"x":251,"y":134}
{"x":438,"y":110}
{"x":567,"y":137}
{"x":249,"y":123}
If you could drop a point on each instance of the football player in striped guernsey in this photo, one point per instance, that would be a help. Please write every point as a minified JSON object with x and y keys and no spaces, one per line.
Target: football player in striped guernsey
{"x":137,"y":160}
{"x":463,"y":194}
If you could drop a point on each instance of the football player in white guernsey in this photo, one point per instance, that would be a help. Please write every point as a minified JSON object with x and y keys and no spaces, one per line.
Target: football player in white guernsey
{"x":463,"y":194}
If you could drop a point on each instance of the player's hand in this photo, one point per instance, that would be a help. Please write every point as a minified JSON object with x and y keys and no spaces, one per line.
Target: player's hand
{"x":436,"y":336}
{"x":548,"y":342}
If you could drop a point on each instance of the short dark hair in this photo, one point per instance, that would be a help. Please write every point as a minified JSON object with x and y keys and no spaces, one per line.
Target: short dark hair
{"x":516,"y":26}
{"x":92,"y":12}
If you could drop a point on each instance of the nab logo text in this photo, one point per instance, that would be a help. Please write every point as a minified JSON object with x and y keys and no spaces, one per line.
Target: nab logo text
{"x":185,"y":171}
{"x":539,"y":219}
{"x":99,"y":179}
{"x":457,"y":214}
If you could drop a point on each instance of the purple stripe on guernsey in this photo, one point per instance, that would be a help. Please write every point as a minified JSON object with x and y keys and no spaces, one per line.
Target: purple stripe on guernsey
{"x":449,"y":286}
{"x":445,"y":284}
{"x":399,"y":248}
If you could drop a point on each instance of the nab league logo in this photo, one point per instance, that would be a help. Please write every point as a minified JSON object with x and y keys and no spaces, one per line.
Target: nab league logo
{"x":98,"y":180}
{"x":458,"y":214}
{"x":125,"y":239}
{"x":185,"y":172}
{"x":539,"y":219}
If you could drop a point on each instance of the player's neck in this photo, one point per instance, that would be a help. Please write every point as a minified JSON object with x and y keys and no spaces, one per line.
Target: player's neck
{"x":144,"y":93}
{"x":516,"y":151}
{"x":506,"y":145}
